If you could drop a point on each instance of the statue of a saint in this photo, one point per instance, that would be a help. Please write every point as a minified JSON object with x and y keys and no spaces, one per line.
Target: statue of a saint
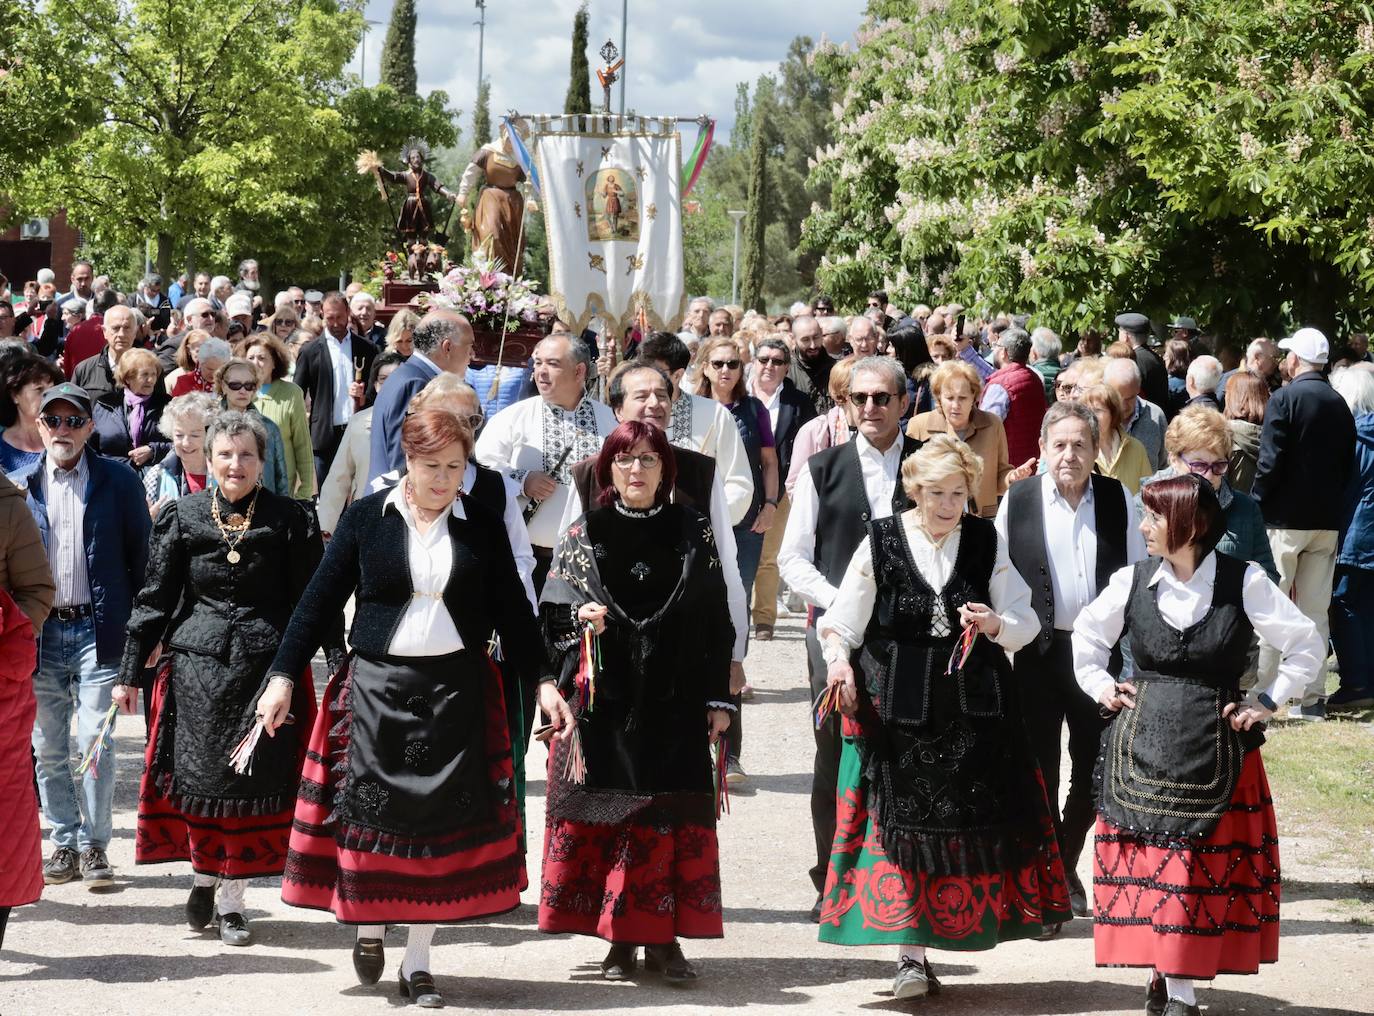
{"x":495,"y":228}
{"x":416,"y":221}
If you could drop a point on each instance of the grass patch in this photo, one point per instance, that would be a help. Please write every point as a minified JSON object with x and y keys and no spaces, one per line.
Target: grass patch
{"x":1322,"y":776}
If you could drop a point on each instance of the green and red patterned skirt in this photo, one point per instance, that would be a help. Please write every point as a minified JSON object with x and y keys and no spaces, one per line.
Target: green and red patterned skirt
{"x":870,"y":900}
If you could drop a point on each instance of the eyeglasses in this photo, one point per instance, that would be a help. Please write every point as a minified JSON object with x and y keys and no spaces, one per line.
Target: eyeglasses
{"x":1216,"y":468}
{"x":725,"y":364}
{"x":74,"y":422}
{"x":649,"y":460}
{"x":879,"y":399}
{"x":770,"y":361}
{"x":239,"y":386}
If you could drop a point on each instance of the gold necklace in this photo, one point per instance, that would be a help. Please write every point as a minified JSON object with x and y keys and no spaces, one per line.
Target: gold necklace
{"x":237,"y":524}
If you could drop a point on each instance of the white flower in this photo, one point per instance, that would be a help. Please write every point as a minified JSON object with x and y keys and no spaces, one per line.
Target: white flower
{"x":1297,"y":144}
{"x":1249,"y":147}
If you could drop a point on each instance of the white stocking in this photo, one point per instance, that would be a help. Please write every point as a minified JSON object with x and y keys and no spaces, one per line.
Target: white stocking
{"x":1181,"y":988}
{"x":371,"y":930}
{"x":417,"y":949}
{"x":201,"y":881}
{"x":911,"y":952}
{"x":231,"y":893}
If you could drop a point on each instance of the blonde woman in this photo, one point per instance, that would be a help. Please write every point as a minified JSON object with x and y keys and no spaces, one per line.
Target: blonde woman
{"x":401,"y":331}
{"x":943,"y":836}
{"x":1119,"y":455}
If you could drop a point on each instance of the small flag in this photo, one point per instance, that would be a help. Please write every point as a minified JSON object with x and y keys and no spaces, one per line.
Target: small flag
{"x":522,"y":156}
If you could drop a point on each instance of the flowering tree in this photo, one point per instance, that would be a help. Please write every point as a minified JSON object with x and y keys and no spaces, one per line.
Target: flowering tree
{"x":1209,"y":157}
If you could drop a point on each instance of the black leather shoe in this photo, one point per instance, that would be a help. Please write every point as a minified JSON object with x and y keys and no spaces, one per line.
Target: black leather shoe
{"x":1078,"y":896}
{"x":64,"y":866}
{"x":620,"y":962}
{"x":669,"y":961}
{"x":200,"y":906}
{"x":1051,"y":932}
{"x":816,"y":910}
{"x":1155,"y":997}
{"x":369,"y":959}
{"x":1177,"y":1008}
{"x":420,"y":990}
{"x":233,"y":930}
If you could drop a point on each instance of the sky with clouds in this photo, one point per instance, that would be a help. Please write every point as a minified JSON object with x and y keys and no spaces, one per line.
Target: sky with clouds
{"x":683,"y":59}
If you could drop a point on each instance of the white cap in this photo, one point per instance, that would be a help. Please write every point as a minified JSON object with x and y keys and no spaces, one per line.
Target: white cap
{"x":1309,"y":344}
{"x":239,"y":304}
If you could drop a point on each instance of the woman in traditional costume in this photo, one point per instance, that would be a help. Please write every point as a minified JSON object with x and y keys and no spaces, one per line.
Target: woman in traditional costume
{"x":407,"y":810}
{"x":944,"y":838}
{"x":1186,"y":861}
{"x":225,"y":569}
{"x":635,"y":611}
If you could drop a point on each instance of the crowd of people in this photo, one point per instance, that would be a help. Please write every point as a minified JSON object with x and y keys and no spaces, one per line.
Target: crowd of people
{"x":991,"y":540}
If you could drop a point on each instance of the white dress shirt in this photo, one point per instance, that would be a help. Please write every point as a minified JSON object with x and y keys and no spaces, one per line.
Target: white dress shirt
{"x":341,"y":363}
{"x":842,"y":628}
{"x":1071,"y":546}
{"x":64,"y":491}
{"x":426,"y":627}
{"x":770,"y":402}
{"x":573,"y":509}
{"x":705,"y":426}
{"x":1275,"y":618}
{"x":797,"y":552}
{"x":530,"y":436}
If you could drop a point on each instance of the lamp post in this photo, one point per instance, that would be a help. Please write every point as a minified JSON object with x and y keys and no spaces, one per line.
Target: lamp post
{"x":362,"y":52}
{"x":481,"y":38}
{"x":734,"y":281}
{"x":624,"y":27}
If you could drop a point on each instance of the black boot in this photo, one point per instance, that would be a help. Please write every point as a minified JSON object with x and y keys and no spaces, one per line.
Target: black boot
{"x":200,"y":906}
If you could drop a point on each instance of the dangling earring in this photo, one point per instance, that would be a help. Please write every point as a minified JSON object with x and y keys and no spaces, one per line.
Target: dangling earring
{"x":409,"y":490}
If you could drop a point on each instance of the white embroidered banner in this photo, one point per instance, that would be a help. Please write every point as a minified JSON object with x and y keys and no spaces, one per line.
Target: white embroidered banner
{"x":613,"y":211}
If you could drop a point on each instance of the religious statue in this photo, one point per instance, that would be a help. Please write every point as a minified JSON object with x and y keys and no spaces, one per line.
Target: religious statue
{"x":495,"y":229}
{"x":416,"y":221}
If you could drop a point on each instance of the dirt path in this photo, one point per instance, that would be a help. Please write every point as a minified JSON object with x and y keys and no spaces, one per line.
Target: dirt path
{"x":127,"y":951}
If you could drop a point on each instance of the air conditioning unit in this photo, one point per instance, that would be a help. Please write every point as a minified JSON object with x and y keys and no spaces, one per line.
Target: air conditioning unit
{"x":34,"y":229}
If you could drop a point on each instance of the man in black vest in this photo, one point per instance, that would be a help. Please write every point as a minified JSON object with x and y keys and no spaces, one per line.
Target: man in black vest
{"x":640,"y":391}
{"x":1067,"y":531}
{"x":843,"y":489}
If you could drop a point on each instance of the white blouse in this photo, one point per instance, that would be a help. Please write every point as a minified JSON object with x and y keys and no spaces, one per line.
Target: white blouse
{"x":426,"y":627}
{"x":1274,"y":616}
{"x":841,"y":628}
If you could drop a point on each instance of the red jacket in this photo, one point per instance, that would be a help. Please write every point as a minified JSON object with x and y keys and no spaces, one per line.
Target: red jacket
{"x":21,"y":858}
{"x":83,"y":342}
{"x":1026,"y":395}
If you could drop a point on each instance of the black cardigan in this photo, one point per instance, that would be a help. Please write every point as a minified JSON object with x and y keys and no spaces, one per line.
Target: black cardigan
{"x":368,"y":556}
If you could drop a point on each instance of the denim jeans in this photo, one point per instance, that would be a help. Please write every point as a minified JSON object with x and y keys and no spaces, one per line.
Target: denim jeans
{"x":69,"y":677}
{"x":1352,"y":606}
{"x":748,"y":550}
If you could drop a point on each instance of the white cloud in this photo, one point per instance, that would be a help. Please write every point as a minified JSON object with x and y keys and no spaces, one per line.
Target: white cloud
{"x":681,"y":61}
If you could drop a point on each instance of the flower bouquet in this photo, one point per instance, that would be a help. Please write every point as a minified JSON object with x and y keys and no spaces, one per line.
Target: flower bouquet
{"x":490,"y":298}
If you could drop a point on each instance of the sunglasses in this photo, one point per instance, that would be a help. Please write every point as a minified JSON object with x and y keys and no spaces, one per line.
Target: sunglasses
{"x":74,"y":422}
{"x":239,"y":386}
{"x":649,"y":460}
{"x":1216,"y":468}
{"x":879,"y":399}
{"x":725,"y":364}
{"x":770,"y":361}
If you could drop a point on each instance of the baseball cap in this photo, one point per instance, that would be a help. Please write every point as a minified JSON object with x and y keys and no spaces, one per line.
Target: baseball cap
{"x":68,"y":392}
{"x":313,"y":296}
{"x":1310,"y":345}
{"x":238,"y":304}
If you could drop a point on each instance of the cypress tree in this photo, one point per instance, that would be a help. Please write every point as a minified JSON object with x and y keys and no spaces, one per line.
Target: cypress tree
{"x":756,"y":219}
{"x":481,"y":114}
{"x":579,"y":97}
{"x":398,"y":51}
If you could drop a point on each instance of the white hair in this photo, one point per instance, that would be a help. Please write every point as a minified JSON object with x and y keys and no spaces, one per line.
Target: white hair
{"x":214,"y":349}
{"x":283,"y":299}
{"x":831,"y":325}
{"x":799,"y":309}
{"x":885,"y":367}
{"x":1046,"y":344}
{"x":710,"y":304}
{"x":1356,"y":386}
{"x":1261,"y":346}
{"x":1205,"y":373}
{"x":1119,"y":370}
{"x":44,"y":276}
{"x":219,"y":281}
{"x":361,"y":297}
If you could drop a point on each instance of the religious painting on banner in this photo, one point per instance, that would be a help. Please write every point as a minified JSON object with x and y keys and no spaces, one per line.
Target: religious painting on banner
{"x":613,"y":210}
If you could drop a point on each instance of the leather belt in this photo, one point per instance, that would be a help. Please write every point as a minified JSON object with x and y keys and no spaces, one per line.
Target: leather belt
{"x":72,"y":613}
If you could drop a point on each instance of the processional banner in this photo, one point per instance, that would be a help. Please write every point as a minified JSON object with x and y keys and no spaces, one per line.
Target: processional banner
{"x":613,"y":211}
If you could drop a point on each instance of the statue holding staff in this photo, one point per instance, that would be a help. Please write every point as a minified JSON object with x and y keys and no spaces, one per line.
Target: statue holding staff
{"x":416,"y":221}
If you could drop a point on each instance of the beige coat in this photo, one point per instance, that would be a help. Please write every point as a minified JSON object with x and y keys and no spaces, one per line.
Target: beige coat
{"x":988,"y":439}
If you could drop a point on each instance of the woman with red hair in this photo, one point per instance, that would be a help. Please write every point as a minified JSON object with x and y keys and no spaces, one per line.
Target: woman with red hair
{"x":1186,"y":861}
{"x":407,"y":811}
{"x":636,"y":618}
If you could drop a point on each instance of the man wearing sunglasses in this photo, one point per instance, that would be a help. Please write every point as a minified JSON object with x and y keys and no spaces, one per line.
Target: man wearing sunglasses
{"x":841,"y":490}
{"x":94,"y":521}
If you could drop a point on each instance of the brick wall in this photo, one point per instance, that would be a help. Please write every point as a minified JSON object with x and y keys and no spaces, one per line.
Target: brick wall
{"x":19,"y":259}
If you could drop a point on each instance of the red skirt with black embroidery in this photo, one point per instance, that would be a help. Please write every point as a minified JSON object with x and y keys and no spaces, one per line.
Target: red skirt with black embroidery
{"x":228,"y":846}
{"x":366,"y":877}
{"x":1197,"y":908}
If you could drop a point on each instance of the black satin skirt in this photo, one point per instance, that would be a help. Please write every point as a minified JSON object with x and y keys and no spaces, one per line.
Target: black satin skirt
{"x":417,"y":749}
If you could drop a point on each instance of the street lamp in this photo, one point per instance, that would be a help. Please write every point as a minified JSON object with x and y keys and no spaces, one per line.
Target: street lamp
{"x":734,"y":282}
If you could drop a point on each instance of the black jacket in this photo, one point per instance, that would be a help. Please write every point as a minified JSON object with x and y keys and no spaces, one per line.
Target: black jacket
{"x":368,"y":555}
{"x":1306,"y":455}
{"x":1154,"y":379}
{"x":96,"y":375}
{"x":794,"y":409}
{"x":316,"y":378}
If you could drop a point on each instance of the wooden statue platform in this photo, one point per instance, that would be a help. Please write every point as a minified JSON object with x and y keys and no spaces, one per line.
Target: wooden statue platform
{"x":519,"y":347}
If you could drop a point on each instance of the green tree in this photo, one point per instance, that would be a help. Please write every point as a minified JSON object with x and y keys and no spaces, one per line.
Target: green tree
{"x":1074,"y":160}
{"x":752,"y":260}
{"x":579,"y":97}
{"x":481,"y":115}
{"x":398,"y":51}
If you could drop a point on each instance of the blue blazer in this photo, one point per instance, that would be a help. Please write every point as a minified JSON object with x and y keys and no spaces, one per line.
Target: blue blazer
{"x":389,"y":412}
{"x":116,"y":524}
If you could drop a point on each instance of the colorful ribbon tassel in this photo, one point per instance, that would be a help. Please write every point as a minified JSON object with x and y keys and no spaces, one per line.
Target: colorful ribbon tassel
{"x":587,"y":667}
{"x":91,"y":762}
{"x":720,"y":786}
{"x":962,"y":649}
{"x":827,"y":704}
{"x":575,"y":766}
